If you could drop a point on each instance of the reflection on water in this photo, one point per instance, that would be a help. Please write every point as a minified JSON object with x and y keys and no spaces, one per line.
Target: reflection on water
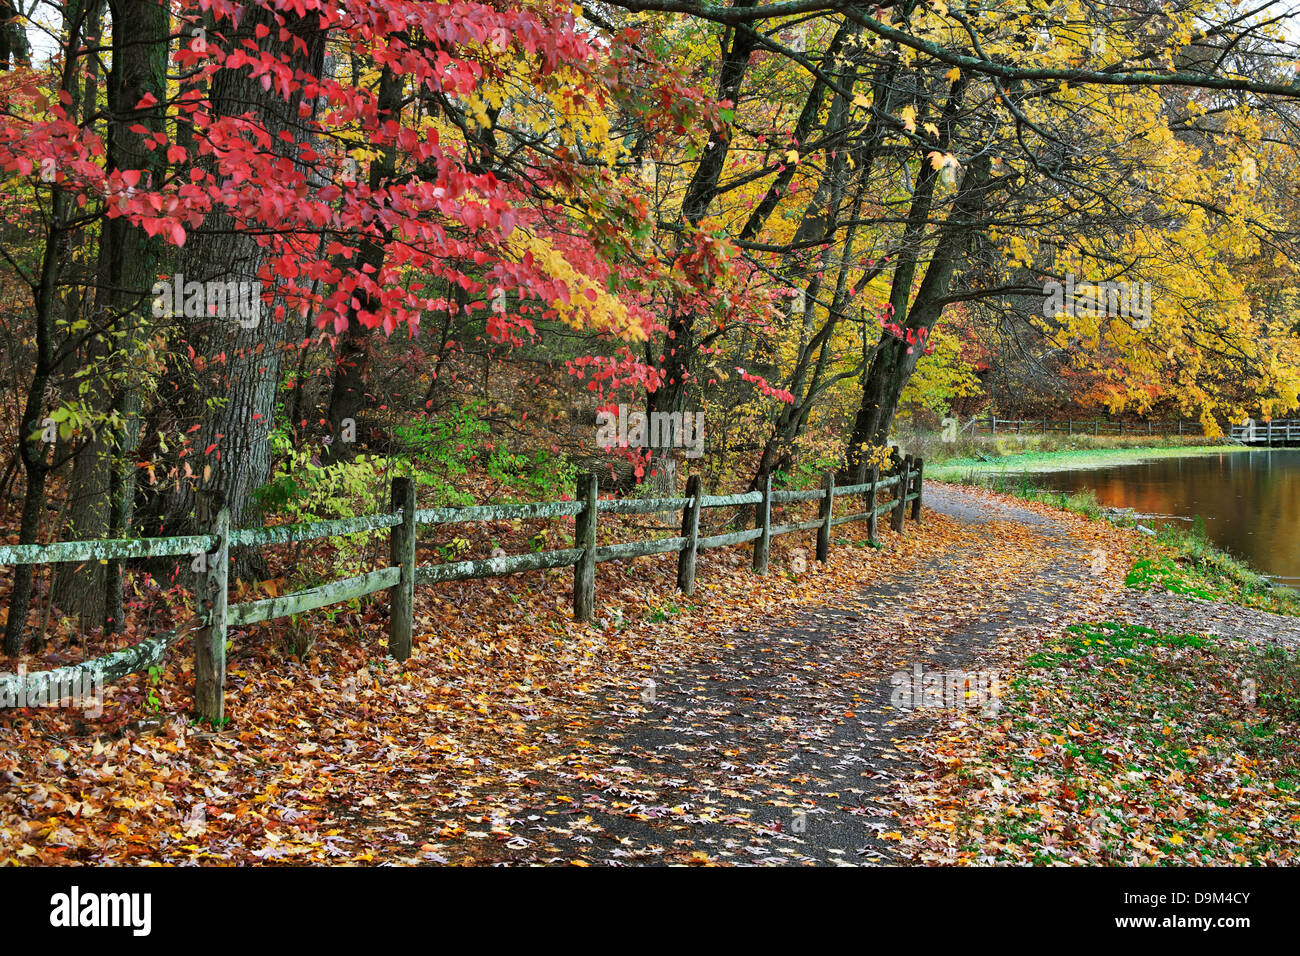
{"x":1250,"y":500}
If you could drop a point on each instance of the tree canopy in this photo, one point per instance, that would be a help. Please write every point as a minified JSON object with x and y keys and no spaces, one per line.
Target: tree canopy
{"x":264,"y":250}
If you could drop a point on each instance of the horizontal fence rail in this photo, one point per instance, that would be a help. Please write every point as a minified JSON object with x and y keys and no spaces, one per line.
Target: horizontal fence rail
{"x":403,"y":573}
{"x":1251,"y":433}
{"x":312,"y":530}
{"x":1281,"y":432}
{"x":72,"y":551}
{"x":992,"y":425}
{"x":335,"y":592}
{"x":543,"y":509}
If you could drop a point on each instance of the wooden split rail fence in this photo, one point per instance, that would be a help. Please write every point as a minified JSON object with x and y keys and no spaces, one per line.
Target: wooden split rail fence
{"x":1281,"y":432}
{"x":399,"y":579}
{"x":1077,"y":426}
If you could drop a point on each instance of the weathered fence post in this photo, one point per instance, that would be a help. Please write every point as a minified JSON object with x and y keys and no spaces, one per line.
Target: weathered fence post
{"x":584,"y":536}
{"x":904,"y":476}
{"x":993,"y":425}
{"x":401,"y":552}
{"x":691,"y":532}
{"x":210,"y":641}
{"x":920,"y":480}
{"x":871,"y":505}
{"x":1069,"y":425}
{"x":825,"y":512}
{"x":763,"y":521}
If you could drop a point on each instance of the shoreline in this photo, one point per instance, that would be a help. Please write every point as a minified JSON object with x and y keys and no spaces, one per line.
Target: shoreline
{"x":1070,"y":460}
{"x":1229,"y":575}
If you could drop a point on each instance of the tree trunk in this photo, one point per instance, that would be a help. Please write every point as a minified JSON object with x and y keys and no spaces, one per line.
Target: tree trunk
{"x":352,"y":366}
{"x":103,"y":478}
{"x":14,"y":48}
{"x":32,"y":448}
{"x":231,"y":389}
{"x":894,"y":359}
{"x":679,"y":345}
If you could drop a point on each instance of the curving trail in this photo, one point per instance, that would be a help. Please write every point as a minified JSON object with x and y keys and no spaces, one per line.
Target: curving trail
{"x":780,"y":745}
{"x":518,"y":736}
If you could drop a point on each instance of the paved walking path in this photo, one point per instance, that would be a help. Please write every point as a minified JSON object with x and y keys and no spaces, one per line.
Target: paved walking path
{"x":779,"y":745}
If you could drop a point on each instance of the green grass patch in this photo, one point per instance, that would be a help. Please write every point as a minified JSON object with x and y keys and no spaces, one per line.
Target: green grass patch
{"x":976,"y":459}
{"x":1179,"y":559}
{"x":1185,"y":561}
{"x":1023,"y":486}
{"x":1124,"y":745}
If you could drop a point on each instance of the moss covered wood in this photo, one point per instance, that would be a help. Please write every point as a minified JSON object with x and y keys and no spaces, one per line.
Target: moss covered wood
{"x":734,"y":537}
{"x":311,"y":530}
{"x":475,"y":513}
{"x":638,"y":549}
{"x":401,"y":555}
{"x":691,"y":532}
{"x":140,"y":656}
{"x":798,"y":526}
{"x":584,"y":537}
{"x":763,"y":523}
{"x":496,"y":567}
{"x":641,"y":506}
{"x":212,"y":589}
{"x":103,"y":550}
{"x":793,"y":497}
{"x":732,"y":501}
{"x":334,"y":592}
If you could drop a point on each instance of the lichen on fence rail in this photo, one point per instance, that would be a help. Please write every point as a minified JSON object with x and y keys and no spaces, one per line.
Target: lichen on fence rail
{"x":334,"y":592}
{"x":495,"y":567}
{"x":474,"y":513}
{"x":312,"y":530}
{"x":402,"y":522}
{"x":103,"y":670}
{"x":62,"y":552}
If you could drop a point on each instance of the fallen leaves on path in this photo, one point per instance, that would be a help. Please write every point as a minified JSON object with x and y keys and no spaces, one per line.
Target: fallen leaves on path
{"x":350,"y":757}
{"x":754,"y":723}
{"x":1118,"y":745}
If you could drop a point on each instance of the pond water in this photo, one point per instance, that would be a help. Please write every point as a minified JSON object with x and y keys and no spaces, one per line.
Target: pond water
{"x":1250,"y":500}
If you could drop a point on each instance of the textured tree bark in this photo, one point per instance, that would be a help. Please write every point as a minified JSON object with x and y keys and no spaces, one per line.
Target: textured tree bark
{"x":103,"y":476}
{"x":352,"y":365}
{"x":678,"y":347}
{"x":14,"y":48}
{"x":79,"y":588}
{"x":894,"y":359}
{"x":231,"y":387}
